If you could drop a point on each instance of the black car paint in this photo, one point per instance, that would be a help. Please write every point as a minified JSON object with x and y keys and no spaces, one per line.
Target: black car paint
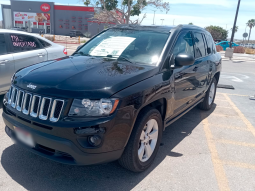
{"x":140,"y":86}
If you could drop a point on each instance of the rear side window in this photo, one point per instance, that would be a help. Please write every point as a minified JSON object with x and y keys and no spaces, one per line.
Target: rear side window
{"x":21,"y":43}
{"x":44,"y":43}
{"x":184,"y":44}
{"x":209,"y":44}
{"x":200,"y":47}
{"x":3,"y":47}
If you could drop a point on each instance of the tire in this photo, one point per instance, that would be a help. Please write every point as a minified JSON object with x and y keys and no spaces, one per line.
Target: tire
{"x":130,"y":159}
{"x":209,"y":97}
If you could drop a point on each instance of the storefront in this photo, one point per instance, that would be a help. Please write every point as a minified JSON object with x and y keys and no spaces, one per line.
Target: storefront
{"x":50,"y":18}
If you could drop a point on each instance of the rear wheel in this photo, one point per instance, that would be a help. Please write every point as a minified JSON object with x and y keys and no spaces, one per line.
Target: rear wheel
{"x":144,"y":142}
{"x":209,"y":96}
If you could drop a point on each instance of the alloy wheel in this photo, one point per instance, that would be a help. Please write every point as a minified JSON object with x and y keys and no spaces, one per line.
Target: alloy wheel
{"x":148,"y":140}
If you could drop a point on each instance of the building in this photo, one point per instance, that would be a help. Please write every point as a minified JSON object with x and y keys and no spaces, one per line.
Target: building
{"x":50,"y":18}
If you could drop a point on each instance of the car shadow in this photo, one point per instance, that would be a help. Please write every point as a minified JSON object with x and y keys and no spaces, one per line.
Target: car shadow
{"x":1,"y":101}
{"x":36,"y":173}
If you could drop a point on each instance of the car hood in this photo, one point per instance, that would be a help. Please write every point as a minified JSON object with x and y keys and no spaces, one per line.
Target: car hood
{"x":81,"y":77}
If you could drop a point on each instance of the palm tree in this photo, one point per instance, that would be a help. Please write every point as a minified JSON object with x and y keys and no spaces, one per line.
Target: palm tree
{"x":236,"y":29}
{"x":251,"y":24}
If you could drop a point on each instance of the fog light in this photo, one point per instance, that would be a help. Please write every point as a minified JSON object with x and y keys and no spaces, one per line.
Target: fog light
{"x":94,"y":140}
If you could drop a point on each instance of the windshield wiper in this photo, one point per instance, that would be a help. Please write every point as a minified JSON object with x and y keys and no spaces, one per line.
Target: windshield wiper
{"x":124,"y":58}
{"x":81,"y":53}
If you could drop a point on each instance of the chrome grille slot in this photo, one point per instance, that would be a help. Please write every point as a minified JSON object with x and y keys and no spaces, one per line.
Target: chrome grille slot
{"x":14,"y":97}
{"x":20,"y":100}
{"x":45,"y":108}
{"x":10,"y":95}
{"x":26,"y":103}
{"x":56,"y":110}
{"x":35,"y":105}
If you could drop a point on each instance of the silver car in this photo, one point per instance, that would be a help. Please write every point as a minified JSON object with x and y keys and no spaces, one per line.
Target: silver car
{"x":20,"y":49}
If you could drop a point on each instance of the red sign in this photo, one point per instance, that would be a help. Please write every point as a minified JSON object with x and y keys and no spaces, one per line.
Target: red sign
{"x":45,"y":7}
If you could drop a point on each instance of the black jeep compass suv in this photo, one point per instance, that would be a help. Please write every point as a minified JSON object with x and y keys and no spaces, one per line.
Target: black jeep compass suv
{"x":112,"y":99}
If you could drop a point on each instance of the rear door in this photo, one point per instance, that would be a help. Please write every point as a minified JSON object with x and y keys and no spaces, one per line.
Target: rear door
{"x":54,"y":51}
{"x":6,"y":64}
{"x":26,"y":50}
{"x":201,"y":62}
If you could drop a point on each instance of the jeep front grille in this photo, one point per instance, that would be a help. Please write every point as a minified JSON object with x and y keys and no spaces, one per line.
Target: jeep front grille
{"x":35,"y":105}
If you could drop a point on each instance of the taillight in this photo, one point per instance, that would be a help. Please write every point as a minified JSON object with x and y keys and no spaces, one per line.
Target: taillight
{"x":65,"y":51}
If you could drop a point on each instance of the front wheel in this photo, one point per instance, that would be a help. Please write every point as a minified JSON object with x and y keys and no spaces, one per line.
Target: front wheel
{"x":144,"y":142}
{"x":209,"y":96}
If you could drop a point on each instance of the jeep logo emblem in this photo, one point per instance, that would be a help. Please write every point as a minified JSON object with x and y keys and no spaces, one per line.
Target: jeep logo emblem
{"x":31,"y":86}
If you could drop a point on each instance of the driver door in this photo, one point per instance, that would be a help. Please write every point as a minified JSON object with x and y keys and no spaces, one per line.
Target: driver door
{"x":185,"y":77}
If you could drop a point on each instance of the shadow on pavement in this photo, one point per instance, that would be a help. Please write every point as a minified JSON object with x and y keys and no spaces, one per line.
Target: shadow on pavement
{"x":36,"y":173}
{"x":1,"y":101}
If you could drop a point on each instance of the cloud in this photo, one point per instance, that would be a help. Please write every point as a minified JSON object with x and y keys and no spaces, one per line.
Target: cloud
{"x":225,"y":3}
{"x":5,"y":2}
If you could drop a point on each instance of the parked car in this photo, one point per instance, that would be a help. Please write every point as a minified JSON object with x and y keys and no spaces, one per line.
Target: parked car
{"x":248,"y":45}
{"x":76,"y":33}
{"x":225,"y":44}
{"x":20,"y":49}
{"x":113,"y":98}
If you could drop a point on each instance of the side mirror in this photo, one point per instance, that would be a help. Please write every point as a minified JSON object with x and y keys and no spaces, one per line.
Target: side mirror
{"x":184,"y":60}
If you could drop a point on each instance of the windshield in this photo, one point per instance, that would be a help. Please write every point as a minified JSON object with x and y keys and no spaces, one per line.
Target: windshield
{"x":142,"y":47}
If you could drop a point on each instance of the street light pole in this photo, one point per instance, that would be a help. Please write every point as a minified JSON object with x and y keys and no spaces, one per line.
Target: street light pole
{"x":173,"y":22}
{"x":234,"y":27}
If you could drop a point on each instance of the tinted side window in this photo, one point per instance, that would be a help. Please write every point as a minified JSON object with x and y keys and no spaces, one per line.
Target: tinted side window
{"x":184,"y":44}
{"x":200,"y":47}
{"x":44,"y":43}
{"x":3,"y":47}
{"x":21,"y":43}
{"x":210,"y":43}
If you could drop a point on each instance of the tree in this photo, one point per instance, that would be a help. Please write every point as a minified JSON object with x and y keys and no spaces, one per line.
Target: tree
{"x":121,"y":11}
{"x":250,"y":24}
{"x":218,"y":33}
{"x":190,"y":23}
{"x":236,"y":29}
{"x":87,"y":2}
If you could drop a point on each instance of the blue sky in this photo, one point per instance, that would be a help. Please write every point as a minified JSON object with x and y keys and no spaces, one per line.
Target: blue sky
{"x":199,"y":12}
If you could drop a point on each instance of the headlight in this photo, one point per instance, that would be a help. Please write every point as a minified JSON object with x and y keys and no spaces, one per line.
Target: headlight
{"x":88,"y":107}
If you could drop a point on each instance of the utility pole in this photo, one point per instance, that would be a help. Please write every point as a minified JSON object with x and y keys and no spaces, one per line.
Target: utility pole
{"x":173,"y":22}
{"x":162,"y":21}
{"x":153,"y":17}
{"x":234,"y":27}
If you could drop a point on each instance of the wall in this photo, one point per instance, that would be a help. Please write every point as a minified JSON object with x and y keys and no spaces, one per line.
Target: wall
{"x":33,"y":7}
{"x":6,"y":15}
{"x":70,"y":16}
{"x":78,"y":17}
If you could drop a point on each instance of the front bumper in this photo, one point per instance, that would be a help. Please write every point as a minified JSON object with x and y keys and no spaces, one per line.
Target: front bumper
{"x":57,"y":148}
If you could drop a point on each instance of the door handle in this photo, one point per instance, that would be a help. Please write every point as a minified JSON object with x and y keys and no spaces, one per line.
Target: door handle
{"x":40,"y":54}
{"x":195,"y":69}
{"x":3,"y":62}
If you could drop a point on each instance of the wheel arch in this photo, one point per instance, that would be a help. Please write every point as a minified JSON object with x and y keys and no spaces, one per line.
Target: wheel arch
{"x":217,"y":76}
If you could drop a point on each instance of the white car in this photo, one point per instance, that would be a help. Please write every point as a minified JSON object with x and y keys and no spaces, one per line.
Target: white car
{"x":20,"y":49}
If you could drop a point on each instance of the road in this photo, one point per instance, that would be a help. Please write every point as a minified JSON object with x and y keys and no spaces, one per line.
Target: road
{"x":212,"y":150}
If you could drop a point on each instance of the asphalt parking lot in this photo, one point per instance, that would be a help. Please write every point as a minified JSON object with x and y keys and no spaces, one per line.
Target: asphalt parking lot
{"x":212,"y":150}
